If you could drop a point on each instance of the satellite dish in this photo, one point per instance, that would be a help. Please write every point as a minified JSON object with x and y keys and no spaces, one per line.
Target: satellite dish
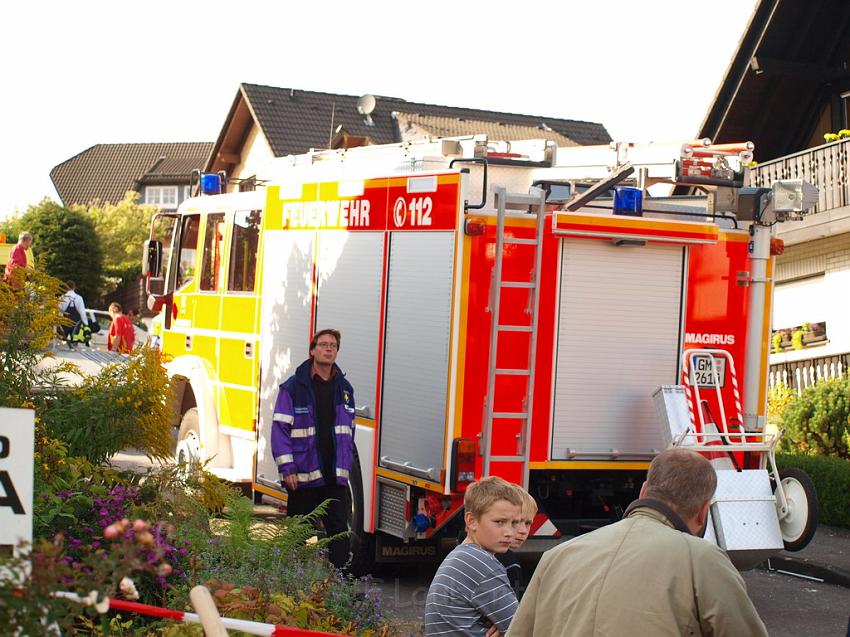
{"x":366,"y":104}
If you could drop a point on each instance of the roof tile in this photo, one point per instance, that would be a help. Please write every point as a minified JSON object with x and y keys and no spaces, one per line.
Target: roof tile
{"x":295,"y":121}
{"x":105,"y":172}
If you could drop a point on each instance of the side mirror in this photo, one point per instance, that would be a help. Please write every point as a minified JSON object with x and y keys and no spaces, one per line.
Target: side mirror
{"x":152,"y":258}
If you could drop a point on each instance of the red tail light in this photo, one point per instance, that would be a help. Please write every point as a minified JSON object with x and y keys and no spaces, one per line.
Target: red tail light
{"x":464,"y":451}
{"x":474,"y":227}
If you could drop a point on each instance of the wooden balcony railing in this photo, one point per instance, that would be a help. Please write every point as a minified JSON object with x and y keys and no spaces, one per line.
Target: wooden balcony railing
{"x":827,"y":167}
{"x":798,"y":375}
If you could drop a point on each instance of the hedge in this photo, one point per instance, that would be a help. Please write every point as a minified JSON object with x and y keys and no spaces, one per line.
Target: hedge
{"x":831,"y":477}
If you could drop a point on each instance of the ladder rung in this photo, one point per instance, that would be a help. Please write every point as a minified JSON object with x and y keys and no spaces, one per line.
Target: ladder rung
{"x":518,"y":284}
{"x":513,"y":328}
{"x":513,"y":372}
{"x":521,"y":200}
{"x":510,"y":414}
{"x":506,"y":458}
{"x":518,"y":241}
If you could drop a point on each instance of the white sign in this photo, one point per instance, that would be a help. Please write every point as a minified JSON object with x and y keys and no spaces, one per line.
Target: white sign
{"x":17,"y":447}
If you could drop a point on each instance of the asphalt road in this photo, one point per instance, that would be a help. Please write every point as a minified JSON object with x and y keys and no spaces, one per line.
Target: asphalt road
{"x":789,"y":606}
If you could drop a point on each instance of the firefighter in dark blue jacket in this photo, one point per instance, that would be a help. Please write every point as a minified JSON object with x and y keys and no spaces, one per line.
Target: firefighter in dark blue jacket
{"x":313,"y":438}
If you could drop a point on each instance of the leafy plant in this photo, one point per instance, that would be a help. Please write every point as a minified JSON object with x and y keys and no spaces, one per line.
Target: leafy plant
{"x":29,"y":319}
{"x":778,"y":398}
{"x":121,"y":228}
{"x":797,"y":339}
{"x":67,"y":241}
{"x":776,"y":339}
{"x":125,"y":405}
{"x":831,"y":477}
{"x":818,"y":422}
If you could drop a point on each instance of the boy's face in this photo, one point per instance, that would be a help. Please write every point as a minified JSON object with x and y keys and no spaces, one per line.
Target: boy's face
{"x":522,"y":527}
{"x":494,"y":529}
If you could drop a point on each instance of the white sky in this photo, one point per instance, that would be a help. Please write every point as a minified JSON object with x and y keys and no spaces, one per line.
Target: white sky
{"x":75,"y":74}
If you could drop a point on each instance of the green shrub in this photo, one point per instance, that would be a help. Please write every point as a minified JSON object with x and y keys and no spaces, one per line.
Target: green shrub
{"x":67,"y":241}
{"x":125,"y":405}
{"x":29,"y":318}
{"x":818,"y":422}
{"x":831,"y":477}
{"x":778,"y":398}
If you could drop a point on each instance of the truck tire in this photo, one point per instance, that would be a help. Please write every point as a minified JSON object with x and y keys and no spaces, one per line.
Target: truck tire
{"x":800,"y":523}
{"x":362,"y":543}
{"x":188,"y":450}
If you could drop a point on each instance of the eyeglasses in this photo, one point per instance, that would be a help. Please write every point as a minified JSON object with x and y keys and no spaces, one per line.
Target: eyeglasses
{"x":327,"y":345}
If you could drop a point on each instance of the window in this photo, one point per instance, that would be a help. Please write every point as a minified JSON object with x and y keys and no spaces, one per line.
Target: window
{"x":211,"y":263}
{"x":188,"y":251}
{"x":162,"y":196}
{"x":243,"y":251}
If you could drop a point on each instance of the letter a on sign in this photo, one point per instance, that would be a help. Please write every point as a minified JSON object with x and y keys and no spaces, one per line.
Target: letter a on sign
{"x":17,"y":427}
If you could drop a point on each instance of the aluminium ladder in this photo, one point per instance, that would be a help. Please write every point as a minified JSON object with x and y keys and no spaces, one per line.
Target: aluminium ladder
{"x":535,"y":199}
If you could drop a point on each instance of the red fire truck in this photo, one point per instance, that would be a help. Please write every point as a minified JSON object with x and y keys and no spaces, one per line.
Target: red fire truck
{"x":507,"y":308}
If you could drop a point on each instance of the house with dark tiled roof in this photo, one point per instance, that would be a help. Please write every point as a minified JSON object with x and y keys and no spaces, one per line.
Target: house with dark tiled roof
{"x":787,"y":89}
{"x":265,"y":122}
{"x":159,"y":172}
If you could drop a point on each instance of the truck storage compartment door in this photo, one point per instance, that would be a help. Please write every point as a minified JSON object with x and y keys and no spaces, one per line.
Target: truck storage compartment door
{"x":284,"y":329}
{"x":619,"y":330}
{"x":349,"y":300}
{"x":416,"y":353}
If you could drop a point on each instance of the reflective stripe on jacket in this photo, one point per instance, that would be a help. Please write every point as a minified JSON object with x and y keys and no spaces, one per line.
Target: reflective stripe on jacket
{"x":294,"y":440}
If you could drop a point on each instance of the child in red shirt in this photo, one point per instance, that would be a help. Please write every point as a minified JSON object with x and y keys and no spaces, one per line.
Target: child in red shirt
{"x":121,"y":332}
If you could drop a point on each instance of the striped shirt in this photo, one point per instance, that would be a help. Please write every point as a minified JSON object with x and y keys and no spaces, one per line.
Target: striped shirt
{"x":469,"y":593}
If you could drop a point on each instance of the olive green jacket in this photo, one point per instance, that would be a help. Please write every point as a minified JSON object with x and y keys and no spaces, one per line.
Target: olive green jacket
{"x":640,"y":576}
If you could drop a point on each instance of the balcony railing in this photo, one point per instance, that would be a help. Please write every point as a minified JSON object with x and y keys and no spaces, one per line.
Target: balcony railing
{"x":798,"y":375}
{"x":827,"y":167}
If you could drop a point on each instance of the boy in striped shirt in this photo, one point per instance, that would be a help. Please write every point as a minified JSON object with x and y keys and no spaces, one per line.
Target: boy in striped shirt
{"x":470,"y":595}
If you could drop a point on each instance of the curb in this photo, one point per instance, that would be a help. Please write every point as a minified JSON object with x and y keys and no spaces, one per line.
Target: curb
{"x":809,"y":570}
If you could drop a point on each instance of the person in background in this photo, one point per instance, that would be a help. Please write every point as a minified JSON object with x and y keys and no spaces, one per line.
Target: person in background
{"x":121,"y":333}
{"x":312,"y":439}
{"x":470,"y":595}
{"x":651,"y":573}
{"x":73,"y":307}
{"x":522,"y":527}
{"x":17,"y":259}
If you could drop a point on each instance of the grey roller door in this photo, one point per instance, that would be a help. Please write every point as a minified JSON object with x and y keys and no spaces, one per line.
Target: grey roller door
{"x":416,"y":352}
{"x":619,"y":320}
{"x":284,"y":330}
{"x":349,"y":273}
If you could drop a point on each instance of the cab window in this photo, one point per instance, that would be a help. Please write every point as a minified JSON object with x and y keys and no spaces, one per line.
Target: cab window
{"x":187,"y":251}
{"x":243,"y":251}
{"x":211,"y":264}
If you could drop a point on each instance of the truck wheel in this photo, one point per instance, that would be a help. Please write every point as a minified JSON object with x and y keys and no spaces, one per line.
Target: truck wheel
{"x":189,"y":438}
{"x":800,"y":523}
{"x":362,"y":543}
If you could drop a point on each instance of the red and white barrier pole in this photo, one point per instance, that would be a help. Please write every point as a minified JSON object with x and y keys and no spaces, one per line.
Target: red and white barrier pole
{"x":252,"y":628}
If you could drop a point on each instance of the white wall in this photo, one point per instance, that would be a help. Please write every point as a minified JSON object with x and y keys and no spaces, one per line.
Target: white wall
{"x":815,"y":288}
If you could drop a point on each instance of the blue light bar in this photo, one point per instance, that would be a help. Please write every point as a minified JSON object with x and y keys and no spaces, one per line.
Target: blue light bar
{"x":628,"y":201}
{"x":210,"y":184}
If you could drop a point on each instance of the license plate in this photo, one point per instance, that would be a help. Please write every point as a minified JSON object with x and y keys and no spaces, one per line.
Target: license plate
{"x":702,"y":375}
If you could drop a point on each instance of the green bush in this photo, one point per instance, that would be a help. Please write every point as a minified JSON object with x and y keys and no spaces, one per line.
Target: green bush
{"x":831,"y":477}
{"x":67,"y":241}
{"x":818,"y":422}
{"x":125,"y":405}
{"x":29,"y":318}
